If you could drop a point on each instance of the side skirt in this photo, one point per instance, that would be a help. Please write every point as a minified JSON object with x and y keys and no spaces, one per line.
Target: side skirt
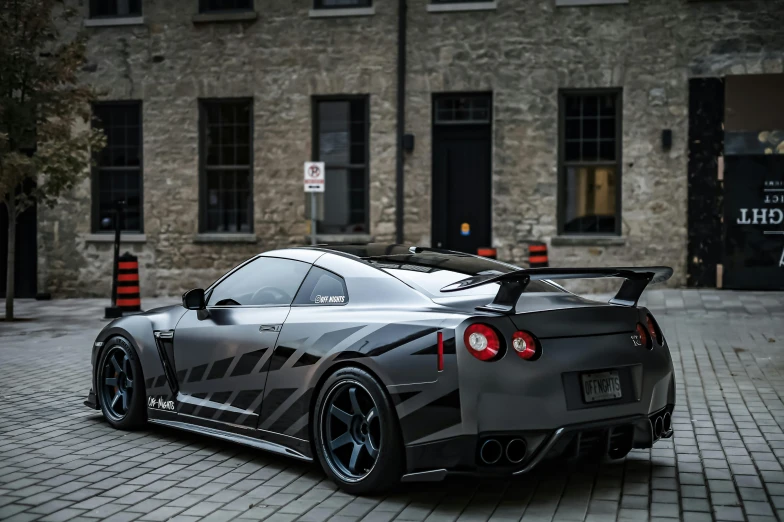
{"x":233,"y":437}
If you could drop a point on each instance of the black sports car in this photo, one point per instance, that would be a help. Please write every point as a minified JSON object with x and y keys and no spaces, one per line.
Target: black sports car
{"x":387,"y":361}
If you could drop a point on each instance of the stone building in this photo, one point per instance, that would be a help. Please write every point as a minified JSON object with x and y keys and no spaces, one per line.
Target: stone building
{"x":564,"y":121}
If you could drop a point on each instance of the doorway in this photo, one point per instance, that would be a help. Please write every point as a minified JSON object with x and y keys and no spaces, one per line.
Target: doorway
{"x":462,"y":186}
{"x":26,"y":277}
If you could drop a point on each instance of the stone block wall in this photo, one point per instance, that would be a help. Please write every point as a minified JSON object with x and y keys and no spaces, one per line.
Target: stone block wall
{"x":522,"y":51}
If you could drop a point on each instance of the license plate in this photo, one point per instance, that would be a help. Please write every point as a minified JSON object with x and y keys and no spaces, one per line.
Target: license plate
{"x":601,"y":386}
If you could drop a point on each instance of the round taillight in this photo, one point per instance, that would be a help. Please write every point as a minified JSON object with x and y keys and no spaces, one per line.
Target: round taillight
{"x":482,"y":342}
{"x":524,"y":345}
{"x":654,"y":329}
{"x":643,"y":333}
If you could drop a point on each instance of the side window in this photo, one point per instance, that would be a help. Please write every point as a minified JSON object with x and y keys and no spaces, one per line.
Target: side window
{"x":322,"y":288}
{"x":263,"y":281}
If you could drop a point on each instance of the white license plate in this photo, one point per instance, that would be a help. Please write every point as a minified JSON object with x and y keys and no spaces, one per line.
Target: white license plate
{"x":601,"y":386}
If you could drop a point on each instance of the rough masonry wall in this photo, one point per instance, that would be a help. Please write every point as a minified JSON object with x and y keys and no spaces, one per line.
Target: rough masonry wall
{"x":525,"y":51}
{"x":280,"y":60}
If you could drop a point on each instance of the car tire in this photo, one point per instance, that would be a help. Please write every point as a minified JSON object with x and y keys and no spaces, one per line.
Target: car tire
{"x":352,"y":418}
{"x":120,"y":385}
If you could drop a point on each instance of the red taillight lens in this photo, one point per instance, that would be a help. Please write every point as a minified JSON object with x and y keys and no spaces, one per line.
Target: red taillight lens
{"x":482,"y":342}
{"x":654,"y":329}
{"x":440,"y":338}
{"x":643,"y":333}
{"x":524,"y":345}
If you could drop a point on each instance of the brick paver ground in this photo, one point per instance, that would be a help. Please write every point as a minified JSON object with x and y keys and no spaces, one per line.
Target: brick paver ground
{"x":60,"y":461}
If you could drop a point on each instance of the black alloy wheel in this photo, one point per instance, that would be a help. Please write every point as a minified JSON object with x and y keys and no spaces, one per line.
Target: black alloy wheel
{"x":120,"y":385}
{"x":352,"y":430}
{"x":357,"y":437}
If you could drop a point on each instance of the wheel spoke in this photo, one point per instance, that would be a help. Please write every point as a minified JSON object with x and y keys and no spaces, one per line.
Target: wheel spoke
{"x":371,"y":415}
{"x":111,"y":381}
{"x":341,"y":415}
{"x":115,"y":364}
{"x":115,"y":400}
{"x":128,"y":382}
{"x":126,"y":365}
{"x":372,"y":451}
{"x":355,"y":409}
{"x":124,"y":394}
{"x":341,"y":441}
{"x":352,"y":464}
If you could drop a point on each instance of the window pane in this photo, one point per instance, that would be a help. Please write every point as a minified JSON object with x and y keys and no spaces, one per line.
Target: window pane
{"x":227,"y":157}
{"x":590,"y":196}
{"x":590,"y":106}
{"x":607,"y":128}
{"x":590,"y":127}
{"x":607,"y":150}
{"x":334,"y":135}
{"x":463,"y":109}
{"x":263,"y":281}
{"x":342,"y":144}
{"x":325,"y":4}
{"x":607,"y":104}
{"x":118,"y":175}
{"x":225,"y":5}
{"x":344,"y":202}
{"x":100,"y":8}
{"x":590,"y":150}
{"x":322,"y":288}
{"x":228,"y":200}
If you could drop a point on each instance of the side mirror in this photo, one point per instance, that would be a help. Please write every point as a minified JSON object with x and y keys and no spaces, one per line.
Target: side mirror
{"x":194,"y":299}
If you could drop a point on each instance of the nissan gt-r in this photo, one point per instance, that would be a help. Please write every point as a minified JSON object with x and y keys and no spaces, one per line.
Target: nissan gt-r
{"x":389,"y":362}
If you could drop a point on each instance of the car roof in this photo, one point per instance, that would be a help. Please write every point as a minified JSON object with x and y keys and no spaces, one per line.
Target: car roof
{"x":420,"y":259}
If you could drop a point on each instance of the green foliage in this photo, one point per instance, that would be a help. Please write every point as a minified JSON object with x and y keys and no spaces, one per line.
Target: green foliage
{"x":45,"y":133}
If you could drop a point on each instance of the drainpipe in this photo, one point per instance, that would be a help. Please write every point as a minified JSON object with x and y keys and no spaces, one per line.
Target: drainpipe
{"x":401,"y":117}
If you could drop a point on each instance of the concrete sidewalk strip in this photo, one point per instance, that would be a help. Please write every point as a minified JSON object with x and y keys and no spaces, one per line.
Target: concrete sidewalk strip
{"x":61,"y":462}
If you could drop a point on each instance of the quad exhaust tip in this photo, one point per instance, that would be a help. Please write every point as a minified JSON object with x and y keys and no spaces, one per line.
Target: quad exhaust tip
{"x":491,"y":451}
{"x":515,"y":450}
{"x":658,"y":427}
{"x":666,"y":423}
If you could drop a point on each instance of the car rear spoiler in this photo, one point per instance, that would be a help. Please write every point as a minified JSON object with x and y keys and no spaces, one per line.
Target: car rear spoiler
{"x":513,"y":284}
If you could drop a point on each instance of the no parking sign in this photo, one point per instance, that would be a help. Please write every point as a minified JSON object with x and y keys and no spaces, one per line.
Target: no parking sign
{"x":314,"y":176}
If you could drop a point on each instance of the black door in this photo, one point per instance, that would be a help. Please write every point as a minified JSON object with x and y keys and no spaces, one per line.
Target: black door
{"x":461,"y":172}
{"x":25,"y":281}
{"x":754,"y":222}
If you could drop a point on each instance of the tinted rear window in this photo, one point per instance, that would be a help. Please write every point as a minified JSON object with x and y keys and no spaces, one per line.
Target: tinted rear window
{"x":433,"y":281}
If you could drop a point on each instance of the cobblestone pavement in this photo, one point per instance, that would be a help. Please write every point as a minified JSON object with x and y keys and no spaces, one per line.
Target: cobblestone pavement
{"x":60,"y":461}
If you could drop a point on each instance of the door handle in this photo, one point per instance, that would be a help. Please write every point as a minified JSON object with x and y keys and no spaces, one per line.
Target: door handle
{"x":269,"y":328}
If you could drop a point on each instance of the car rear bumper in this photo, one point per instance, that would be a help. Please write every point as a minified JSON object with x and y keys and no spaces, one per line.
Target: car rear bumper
{"x":462,"y":455}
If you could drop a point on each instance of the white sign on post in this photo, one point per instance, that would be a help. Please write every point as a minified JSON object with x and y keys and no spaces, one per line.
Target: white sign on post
{"x":314,"y":176}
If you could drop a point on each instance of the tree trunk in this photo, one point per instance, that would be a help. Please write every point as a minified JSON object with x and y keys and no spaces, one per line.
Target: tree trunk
{"x":9,"y":276}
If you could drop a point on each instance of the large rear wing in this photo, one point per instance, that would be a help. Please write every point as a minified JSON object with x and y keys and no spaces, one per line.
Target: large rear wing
{"x":513,"y":283}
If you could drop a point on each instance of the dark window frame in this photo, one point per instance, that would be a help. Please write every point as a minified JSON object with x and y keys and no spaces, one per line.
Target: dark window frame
{"x":563,"y":164}
{"x":93,"y":16}
{"x":470,"y":95}
{"x":204,"y":8}
{"x":203,"y":163}
{"x":360,"y":4}
{"x":95,"y":194}
{"x":315,"y":145}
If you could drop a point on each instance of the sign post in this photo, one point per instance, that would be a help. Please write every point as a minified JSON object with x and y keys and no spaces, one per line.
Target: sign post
{"x":314,"y":182}
{"x":112,"y":312}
